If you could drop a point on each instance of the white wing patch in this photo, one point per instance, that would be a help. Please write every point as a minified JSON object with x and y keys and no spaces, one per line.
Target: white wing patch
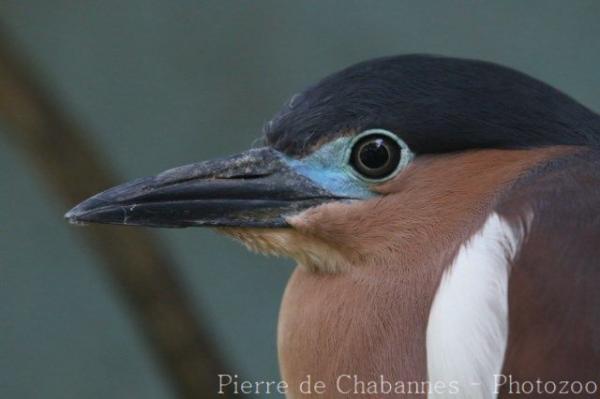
{"x":468,"y":322}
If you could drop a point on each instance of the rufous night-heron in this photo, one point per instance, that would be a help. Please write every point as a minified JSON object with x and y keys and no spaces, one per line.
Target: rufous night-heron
{"x":445,"y":217}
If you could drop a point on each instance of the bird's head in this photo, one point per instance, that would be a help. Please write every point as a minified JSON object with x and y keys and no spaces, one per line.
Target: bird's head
{"x":375,"y":153}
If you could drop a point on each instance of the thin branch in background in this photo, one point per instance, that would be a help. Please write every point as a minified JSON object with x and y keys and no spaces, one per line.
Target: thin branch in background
{"x":71,"y":166}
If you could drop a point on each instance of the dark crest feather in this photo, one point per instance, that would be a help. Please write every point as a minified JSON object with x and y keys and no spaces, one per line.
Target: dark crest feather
{"x":436,"y":104}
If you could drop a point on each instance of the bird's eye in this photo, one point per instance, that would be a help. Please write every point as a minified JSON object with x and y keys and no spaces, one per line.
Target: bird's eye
{"x":376,"y":156}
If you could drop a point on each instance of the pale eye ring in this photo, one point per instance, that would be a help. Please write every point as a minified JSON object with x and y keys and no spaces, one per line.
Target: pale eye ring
{"x":377,"y":154}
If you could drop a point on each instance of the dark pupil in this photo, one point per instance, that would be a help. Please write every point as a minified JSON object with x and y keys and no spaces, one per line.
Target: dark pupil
{"x":374,"y":154}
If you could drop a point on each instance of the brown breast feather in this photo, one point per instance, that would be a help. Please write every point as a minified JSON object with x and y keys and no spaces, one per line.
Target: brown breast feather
{"x":369,"y":316}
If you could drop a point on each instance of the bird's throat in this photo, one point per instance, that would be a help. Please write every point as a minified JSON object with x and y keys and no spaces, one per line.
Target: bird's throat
{"x":310,"y":252}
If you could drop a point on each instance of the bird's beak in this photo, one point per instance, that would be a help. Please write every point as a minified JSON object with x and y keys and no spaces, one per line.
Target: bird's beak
{"x":256,"y":188}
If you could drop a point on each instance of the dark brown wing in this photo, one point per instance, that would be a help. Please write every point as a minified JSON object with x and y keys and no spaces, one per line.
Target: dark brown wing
{"x":554,"y":289}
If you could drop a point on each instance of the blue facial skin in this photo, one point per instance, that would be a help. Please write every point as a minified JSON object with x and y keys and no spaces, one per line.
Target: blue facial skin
{"x":328,"y":167}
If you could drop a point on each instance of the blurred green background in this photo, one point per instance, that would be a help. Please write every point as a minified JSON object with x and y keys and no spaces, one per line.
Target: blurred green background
{"x":162,"y":83}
